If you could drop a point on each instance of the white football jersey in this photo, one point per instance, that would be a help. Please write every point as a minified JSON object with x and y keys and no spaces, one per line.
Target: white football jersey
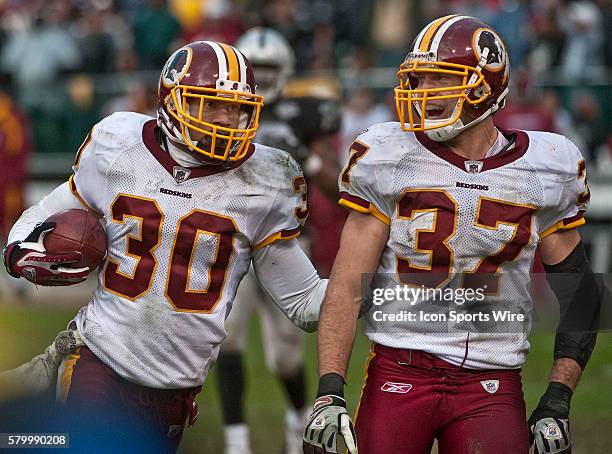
{"x":179,"y":242}
{"x":452,"y":219}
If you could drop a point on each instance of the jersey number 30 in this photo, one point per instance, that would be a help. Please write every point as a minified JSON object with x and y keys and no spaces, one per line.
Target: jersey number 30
{"x":150,"y":219}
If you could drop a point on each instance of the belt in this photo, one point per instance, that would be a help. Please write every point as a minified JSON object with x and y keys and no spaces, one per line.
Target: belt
{"x":413,"y":358}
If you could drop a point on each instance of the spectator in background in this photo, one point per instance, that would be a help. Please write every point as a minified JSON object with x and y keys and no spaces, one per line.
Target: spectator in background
{"x":15,"y":149}
{"x":308,"y":28}
{"x":483,"y":10}
{"x":588,"y":123}
{"x":360,"y":111}
{"x":511,"y":21}
{"x":582,"y":57}
{"x":391,"y":29}
{"x":524,"y":109}
{"x":38,"y":55}
{"x":545,"y":37}
{"x":562,"y":119}
{"x":96,"y":44}
{"x":215,"y":20}
{"x":138,"y":98}
{"x":604,"y":158}
{"x":79,"y":112}
{"x":155,"y":32}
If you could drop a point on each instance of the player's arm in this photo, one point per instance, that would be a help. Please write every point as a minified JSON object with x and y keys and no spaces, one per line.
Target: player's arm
{"x":580,"y":296}
{"x":39,"y":374}
{"x":289,"y":278}
{"x":363,"y":240}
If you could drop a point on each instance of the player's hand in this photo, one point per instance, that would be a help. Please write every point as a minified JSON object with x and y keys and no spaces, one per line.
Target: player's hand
{"x":549,"y":422}
{"x":29,"y":259}
{"x":329,"y":419}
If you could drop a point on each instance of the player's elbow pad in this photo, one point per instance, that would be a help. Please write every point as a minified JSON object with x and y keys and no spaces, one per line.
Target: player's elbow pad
{"x":580,"y":294}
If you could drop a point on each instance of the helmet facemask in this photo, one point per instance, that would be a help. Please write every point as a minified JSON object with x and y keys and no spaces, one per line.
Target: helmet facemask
{"x":190,"y":106}
{"x":418,"y":108}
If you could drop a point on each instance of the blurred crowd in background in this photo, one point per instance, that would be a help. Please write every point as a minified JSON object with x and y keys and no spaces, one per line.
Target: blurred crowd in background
{"x":68,"y":63}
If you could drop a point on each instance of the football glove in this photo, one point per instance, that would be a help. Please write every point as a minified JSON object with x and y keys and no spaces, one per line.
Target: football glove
{"x":30,"y":260}
{"x":549,"y":422}
{"x":329,"y":419}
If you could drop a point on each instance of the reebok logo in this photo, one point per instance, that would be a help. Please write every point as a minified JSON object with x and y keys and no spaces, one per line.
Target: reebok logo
{"x":398,"y":388}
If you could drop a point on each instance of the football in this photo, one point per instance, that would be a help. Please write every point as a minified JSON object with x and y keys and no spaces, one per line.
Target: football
{"x":77,"y":230}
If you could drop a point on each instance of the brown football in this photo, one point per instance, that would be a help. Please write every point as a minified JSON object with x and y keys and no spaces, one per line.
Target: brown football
{"x":78,"y":230}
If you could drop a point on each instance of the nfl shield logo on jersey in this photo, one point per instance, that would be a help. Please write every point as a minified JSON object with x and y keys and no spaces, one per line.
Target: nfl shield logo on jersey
{"x":473,"y":166}
{"x":180,"y":173}
{"x":490,"y":386}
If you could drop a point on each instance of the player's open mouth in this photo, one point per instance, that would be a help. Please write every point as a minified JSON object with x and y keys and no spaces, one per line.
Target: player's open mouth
{"x":434,"y":113}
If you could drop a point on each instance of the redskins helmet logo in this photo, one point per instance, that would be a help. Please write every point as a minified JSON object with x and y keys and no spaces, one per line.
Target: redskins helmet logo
{"x":487,"y":39}
{"x":176,"y":67}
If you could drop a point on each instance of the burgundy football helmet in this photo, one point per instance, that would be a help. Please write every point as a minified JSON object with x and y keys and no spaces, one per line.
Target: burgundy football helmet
{"x":199,"y":75}
{"x":457,"y":46}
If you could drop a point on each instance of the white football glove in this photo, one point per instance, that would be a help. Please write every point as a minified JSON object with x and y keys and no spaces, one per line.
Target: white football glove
{"x":329,"y":419}
{"x":549,"y":423}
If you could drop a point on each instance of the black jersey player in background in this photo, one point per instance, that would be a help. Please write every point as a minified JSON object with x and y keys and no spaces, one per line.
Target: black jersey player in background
{"x":302,"y":118}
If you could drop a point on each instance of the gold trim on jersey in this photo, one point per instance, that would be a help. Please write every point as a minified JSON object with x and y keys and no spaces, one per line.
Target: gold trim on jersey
{"x":75,"y":192}
{"x":82,"y":148}
{"x":65,"y":379}
{"x":288,"y":234}
{"x":560,"y":225}
{"x":370,"y":210}
{"x":581,"y":169}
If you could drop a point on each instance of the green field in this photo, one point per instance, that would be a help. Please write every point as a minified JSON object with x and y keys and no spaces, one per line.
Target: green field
{"x":25,"y":331}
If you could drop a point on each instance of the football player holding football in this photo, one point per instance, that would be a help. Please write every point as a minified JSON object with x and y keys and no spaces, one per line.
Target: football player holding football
{"x":300,"y":125}
{"x":442,"y":199}
{"x":188,"y":202}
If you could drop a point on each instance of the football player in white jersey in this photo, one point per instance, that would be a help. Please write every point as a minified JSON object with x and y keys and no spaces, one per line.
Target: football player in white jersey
{"x":188,"y":202}
{"x":443,"y":200}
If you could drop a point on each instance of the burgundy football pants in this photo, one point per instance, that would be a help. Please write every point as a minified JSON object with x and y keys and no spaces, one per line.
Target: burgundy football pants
{"x":411,"y":398}
{"x":125,"y":415}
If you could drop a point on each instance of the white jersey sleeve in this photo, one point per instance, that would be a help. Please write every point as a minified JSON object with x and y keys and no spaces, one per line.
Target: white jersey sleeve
{"x":365,"y":181}
{"x":566,"y":192}
{"x":96,"y":155}
{"x":299,"y":297}
{"x":59,"y":199}
{"x":289,"y":208}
